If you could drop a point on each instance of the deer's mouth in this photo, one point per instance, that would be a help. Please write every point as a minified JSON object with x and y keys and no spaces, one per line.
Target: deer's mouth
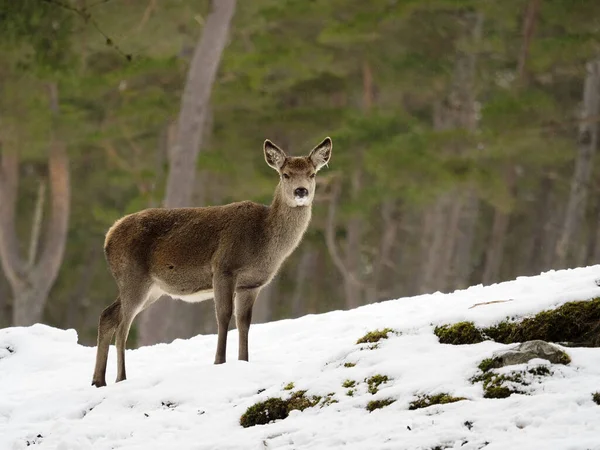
{"x":301,"y":201}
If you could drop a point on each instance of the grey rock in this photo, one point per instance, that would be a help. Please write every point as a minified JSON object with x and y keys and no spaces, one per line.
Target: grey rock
{"x":529,"y":350}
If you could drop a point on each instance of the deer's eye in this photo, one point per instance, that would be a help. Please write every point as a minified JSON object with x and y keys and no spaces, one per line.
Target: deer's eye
{"x":312,"y":175}
{"x":286,"y":176}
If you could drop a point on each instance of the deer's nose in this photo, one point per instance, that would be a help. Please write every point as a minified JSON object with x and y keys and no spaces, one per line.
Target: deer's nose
{"x":301,"y":192}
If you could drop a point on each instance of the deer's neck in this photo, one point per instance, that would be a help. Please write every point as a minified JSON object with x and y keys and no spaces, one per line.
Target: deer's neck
{"x":287,"y":224}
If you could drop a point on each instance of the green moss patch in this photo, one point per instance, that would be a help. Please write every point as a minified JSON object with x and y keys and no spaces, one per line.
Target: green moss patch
{"x":503,"y":385}
{"x":289,"y":386}
{"x":276,"y":408}
{"x":378,"y":404}
{"x":489,"y":364}
{"x":424,"y":401}
{"x":460,"y":333}
{"x":374,"y":382}
{"x":349,"y":384}
{"x":349,"y":364}
{"x":375,"y":336}
{"x":575,"y":323}
{"x":596,"y":398}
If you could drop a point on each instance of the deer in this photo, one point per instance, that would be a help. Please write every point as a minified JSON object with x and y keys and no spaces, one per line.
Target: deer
{"x":227,"y":253}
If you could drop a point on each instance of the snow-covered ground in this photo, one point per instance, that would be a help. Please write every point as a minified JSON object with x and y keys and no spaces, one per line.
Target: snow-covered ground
{"x":175,"y":398}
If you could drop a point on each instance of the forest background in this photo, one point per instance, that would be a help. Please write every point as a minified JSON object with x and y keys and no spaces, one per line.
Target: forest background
{"x":464,"y":138}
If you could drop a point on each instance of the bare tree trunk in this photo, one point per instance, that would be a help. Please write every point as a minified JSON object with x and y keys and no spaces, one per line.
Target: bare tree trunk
{"x":303,"y":275}
{"x":566,"y":247}
{"x":31,"y":281}
{"x":349,"y":264}
{"x":542,"y":217}
{"x":495,"y":252}
{"x":164,"y":321}
{"x":451,"y":222}
{"x":386,"y":245}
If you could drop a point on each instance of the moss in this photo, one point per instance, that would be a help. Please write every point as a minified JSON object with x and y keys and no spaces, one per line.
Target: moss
{"x":375,"y":336}
{"x":276,"y":408}
{"x":329,"y":400}
{"x":264,"y":412}
{"x":540,"y":371}
{"x":375,"y":381}
{"x":489,"y":364}
{"x":349,"y":383}
{"x":289,"y":386}
{"x":424,"y":401}
{"x":497,"y":385}
{"x":459,"y":334}
{"x":349,"y":364}
{"x":575,"y":323}
{"x":498,"y":392}
{"x":350,"y":392}
{"x":596,"y":398}
{"x":378,"y":404}
{"x":300,"y":402}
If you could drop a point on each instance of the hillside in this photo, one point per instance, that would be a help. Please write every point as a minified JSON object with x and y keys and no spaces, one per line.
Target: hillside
{"x":176,"y":398}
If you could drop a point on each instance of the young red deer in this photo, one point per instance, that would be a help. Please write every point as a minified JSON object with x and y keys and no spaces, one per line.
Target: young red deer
{"x":195,"y":254}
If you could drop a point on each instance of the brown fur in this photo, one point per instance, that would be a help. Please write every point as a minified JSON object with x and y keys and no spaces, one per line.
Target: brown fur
{"x":232,"y":250}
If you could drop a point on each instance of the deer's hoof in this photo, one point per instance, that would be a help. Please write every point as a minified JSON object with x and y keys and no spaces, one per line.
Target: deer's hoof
{"x":98,"y":383}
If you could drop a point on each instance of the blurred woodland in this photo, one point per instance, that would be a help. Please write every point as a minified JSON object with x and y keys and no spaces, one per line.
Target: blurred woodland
{"x":464,"y":138}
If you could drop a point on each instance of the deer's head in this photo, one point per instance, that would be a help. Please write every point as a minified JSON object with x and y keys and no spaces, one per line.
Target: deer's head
{"x":297,"y":173}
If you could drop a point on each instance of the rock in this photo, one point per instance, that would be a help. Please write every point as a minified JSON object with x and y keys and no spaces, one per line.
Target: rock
{"x":529,"y":350}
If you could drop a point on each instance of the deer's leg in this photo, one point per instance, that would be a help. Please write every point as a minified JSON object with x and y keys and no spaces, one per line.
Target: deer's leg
{"x":244,"y":301}
{"x":108,"y":323}
{"x":223,"y":285}
{"x":133,"y":304}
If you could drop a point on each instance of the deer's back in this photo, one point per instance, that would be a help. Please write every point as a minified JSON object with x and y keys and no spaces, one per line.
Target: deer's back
{"x":181,"y":245}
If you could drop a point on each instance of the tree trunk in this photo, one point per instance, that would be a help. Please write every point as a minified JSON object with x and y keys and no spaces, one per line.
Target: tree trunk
{"x":566,"y":247}
{"x":303,"y":277}
{"x":386,"y":244}
{"x":451,"y":222}
{"x":495,"y":251}
{"x":31,"y":281}
{"x":166,"y":319}
{"x":497,"y":242}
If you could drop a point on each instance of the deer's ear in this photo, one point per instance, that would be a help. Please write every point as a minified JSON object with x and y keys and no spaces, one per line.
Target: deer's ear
{"x":321,"y":153}
{"x":274,"y":156}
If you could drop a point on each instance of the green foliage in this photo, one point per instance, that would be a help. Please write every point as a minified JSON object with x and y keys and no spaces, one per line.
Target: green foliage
{"x":374,"y":382}
{"x":275,"y":408}
{"x":460,"y":333}
{"x":488,"y":364}
{"x":596,"y":398}
{"x":503,"y":385}
{"x":425,"y":401}
{"x":378,"y":404}
{"x":573,"y":322}
{"x":349,"y":384}
{"x":375,"y":336}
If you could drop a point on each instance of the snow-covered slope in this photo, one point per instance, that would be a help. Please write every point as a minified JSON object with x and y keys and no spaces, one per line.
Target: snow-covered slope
{"x":176,"y":398}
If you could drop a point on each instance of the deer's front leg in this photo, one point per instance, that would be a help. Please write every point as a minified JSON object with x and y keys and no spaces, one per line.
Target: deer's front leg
{"x":223,"y":285}
{"x":244,"y":301}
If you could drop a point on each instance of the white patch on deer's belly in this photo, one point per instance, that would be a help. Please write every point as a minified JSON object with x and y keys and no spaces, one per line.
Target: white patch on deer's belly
{"x":156,"y":292}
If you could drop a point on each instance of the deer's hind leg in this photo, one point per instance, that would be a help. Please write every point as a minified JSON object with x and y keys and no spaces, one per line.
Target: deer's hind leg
{"x":107,"y":324}
{"x":133,"y":301}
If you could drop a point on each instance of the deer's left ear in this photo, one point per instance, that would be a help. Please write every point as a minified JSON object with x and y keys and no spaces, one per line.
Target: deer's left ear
{"x":321,"y":154}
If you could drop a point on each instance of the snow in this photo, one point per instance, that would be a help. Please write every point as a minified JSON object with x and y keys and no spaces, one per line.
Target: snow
{"x":175,"y":398}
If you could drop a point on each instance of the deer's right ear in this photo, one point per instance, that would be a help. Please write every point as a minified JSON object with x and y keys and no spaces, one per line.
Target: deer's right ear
{"x":274,"y":156}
